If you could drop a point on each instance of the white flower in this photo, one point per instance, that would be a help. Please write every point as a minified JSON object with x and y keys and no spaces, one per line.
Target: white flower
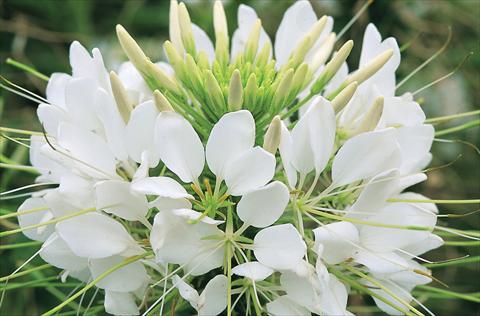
{"x":213,"y":299}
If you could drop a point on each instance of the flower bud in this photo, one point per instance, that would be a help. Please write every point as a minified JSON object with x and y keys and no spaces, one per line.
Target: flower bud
{"x":342,"y":99}
{"x":272,"y":136}
{"x":221,"y":33}
{"x":299,"y":78}
{"x":371,"y":118}
{"x":124,"y":104}
{"x":251,"y":46}
{"x":371,"y":68}
{"x":332,"y":67}
{"x":131,"y":49}
{"x":250,"y":92}
{"x":323,"y":52}
{"x":307,"y":42}
{"x":264,"y":55}
{"x":214,"y":91}
{"x":283,"y":89}
{"x":160,"y":78}
{"x":174,"y":27}
{"x":163,"y":105}
{"x":186,"y":29}
{"x":174,"y":58}
{"x":235,"y":92}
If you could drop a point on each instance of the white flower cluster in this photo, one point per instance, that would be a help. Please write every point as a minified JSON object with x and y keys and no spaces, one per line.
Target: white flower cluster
{"x":136,"y":208}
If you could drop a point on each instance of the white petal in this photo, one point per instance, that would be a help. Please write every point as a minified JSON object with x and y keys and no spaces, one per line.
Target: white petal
{"x":203,"y":42}
{"x":296,"y":22}
{"x":34,"y":218}
{"x":400,"y":293}
{"x":50,"y":117}
{"x":381,"y":262}
{"x":375,"y":194}
{"x":81,"y":144}
{"x":77,"y":190}
{"x":113,"y":123}
{"x":165,"y":204}
{"x":186,"y":291}
{"x":232,"y":135}
{"x":179,"y":146}
{"x":283,"y":306}
{"x":403,"y":214}
{"x":139,"y":132}
{"x":250,"y":170}
{"x":174,"y":240}
{"x":161,"y":186}
{"x":303,"y":290}
{"x":118,"y":303}
{"x":397,"y":111}
{"x":373,"y":46}
{"x":80,"y":60}
{"x":322,"y":132}
{"x":279,"y":247}
{"x":55,"y":90}
{"x":116,"y":197}
{"x":213,"y":299}
{"x":334,"y":300}
{"x":253,"y":270}
{"x":415,"y":143}
{"x":95,"y":235}
{"x":80,"y":103}
{"x":264,"y":206}
{"x":302,"y":152}
{"x":336,"y":241}
{"x":364,"y":156}
{"x":56,"y":252}
{"x":430,"y":243}
{"x":286,"y":153}
{"x":126,"y":279}
{"x":246,"y":20}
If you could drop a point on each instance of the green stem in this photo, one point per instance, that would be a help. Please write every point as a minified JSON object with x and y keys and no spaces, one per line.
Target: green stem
{"x":449,"y":293}
{"x":21,"y":245}
{"x":475,"y":259}
{"x":458,"y":128}
{"x":451,"y":117}
{"x":473,"y":201}
{"x":27,"y":68}
{"x":26,"y":272}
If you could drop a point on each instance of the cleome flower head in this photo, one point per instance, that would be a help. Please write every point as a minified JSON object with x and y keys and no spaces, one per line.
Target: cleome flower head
{"x":260,"y":173}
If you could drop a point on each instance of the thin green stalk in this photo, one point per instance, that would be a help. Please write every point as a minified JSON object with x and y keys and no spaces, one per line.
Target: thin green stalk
{"x":94,"y":282}
{"x":21,"y":245}
{"x":462,"y":296}
{"x":451,"y":117}
{"x":27,"y":68}
{"x":29,"y":169}
{"x":475,"y":259}
{"x":25,"y":272}
{"x":473,"y":201}
{"x":462,"y":127}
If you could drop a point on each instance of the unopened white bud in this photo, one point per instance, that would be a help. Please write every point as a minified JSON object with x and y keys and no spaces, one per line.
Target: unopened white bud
{"x":272,"y":136}
{"x":323,"y":52}
{"x":342,"y":99}
{"x":131,"y":49}
{"x":161,"y":102}
{"x":372,"y":117}
{"x":124,"y":104}
{"x":235,"y":92}
{"x":161,"y":78}
{"x":186,"y":29}
{"x":220,"y":20}
{"x":371,"y":68}
{"x":251,"y":46}
{"x":174,"y":27}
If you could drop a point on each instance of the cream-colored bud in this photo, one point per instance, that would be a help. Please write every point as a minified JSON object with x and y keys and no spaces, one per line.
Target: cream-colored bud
{"x":371,"y":68}
{"x":124,"y":104}
{"x":214,"y":90}
{"x":250,"y":92}
{"x":283,"y":89}
{"x":342,"y":99}
{"x":131,"y":49}
{"x":251,"y":46}
{"x":235,"y":92}
{"x":372,"y":117}
{"x":317,"y":28}
{"x":272,"y":136}
{"x":332,"y":67}
{"x":174,"y":58}
{"x":174,"y":27}
{"x":186,"y":29}
{"x":163,"y":105}
{"x":264,"y":55}
{"x":299,"y":77}
{"x":220,"y":20}
{"x":323,"y":52}
{"x":161,"y":78}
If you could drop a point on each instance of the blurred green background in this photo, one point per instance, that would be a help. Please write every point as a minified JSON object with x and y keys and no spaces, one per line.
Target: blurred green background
{"x":38,"y":33}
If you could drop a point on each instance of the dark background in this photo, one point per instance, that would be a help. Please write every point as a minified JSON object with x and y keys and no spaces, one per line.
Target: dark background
{"x":38,"y":33}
